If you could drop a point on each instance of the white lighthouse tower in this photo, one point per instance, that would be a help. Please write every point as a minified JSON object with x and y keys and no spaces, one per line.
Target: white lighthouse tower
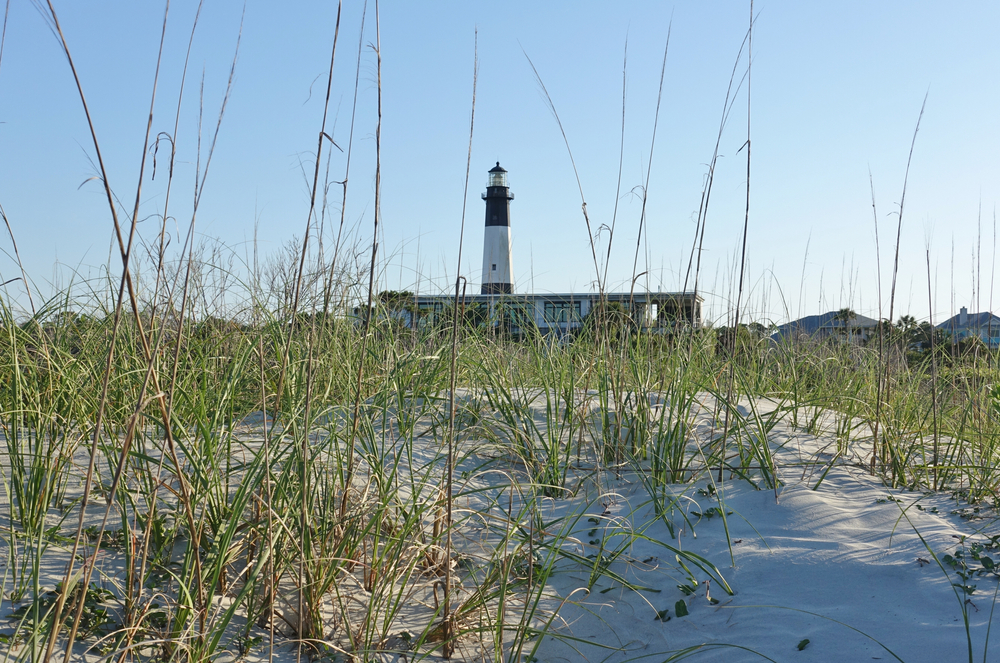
{"x":496,"y":241}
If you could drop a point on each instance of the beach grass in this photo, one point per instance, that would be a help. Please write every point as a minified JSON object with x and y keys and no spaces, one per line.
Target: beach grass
{"x":298,"y":474}
{"x":241,"y":526}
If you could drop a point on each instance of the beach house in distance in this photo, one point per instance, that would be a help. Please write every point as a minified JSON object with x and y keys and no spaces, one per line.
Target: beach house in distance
{"x":985,"y":326}
{"x":833,"y":324}
{"x":964,"y":325}
{"x":559,"y":313}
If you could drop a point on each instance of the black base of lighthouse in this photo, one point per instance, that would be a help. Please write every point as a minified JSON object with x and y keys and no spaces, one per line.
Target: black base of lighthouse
{"x":496,"y":289}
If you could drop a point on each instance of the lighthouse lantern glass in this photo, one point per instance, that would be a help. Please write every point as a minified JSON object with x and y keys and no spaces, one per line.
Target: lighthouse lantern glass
{"x":498,"y":179}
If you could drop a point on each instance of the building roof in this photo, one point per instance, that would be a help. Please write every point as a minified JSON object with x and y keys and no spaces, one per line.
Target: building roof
{"x":639,"y":297}
{"x":813,"y":324}
{"x":972,"y":321}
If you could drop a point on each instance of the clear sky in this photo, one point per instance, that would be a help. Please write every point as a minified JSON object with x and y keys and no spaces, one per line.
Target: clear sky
{"x":836,"y":92}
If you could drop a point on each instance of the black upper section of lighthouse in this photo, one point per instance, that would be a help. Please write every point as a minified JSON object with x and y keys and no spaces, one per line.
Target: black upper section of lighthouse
{"x":497,"y":197}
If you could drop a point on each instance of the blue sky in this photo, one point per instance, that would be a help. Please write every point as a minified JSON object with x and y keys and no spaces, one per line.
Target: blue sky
{"x":836,"y":92}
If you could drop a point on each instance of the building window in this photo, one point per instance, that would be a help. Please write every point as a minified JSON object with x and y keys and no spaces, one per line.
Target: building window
{"x":561,"y":312}
{"x":430,"y":313}
{"x":494,"y":267}
{"x":518,"y":315}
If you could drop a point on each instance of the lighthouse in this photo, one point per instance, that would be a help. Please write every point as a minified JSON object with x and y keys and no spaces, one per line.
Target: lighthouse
{"x":496,"y":241}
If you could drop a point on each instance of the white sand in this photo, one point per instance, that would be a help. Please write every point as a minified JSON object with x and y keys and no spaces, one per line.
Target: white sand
{"x":840,"y":566}
{"x":813,"y":564}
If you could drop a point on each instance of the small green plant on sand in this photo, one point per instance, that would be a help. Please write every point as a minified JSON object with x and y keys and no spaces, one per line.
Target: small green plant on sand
{"x":98,"y":617}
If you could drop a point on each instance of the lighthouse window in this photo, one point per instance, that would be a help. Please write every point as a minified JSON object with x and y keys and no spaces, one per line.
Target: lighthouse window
{"x":494,"y":267}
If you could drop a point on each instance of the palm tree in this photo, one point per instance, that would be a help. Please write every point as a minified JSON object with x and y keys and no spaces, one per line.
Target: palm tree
{"x":908,"y":330}
{"x":844,"y":316}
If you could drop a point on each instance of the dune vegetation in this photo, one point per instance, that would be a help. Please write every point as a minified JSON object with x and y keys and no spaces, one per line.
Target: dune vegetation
{"x":298,"y":473}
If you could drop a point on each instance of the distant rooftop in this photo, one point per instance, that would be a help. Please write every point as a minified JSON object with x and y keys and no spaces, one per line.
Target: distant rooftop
{"x":822,"y":324}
